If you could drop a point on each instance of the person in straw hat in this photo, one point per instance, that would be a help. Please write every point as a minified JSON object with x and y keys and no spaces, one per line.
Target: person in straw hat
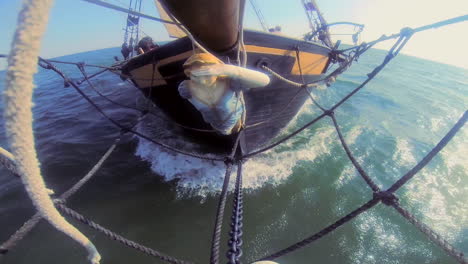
{"x":215,"y":89}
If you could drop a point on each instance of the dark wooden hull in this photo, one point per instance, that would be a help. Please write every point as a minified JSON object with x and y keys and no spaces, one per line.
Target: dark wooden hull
{"x":269,"y":109}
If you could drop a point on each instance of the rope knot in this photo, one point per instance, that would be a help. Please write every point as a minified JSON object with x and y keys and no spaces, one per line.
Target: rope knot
{"x":328,"y":112}
{"x":229,"y":160}
{"x":386,"y":197}
{"x":304,"y":85}
{"x":406,"y":31}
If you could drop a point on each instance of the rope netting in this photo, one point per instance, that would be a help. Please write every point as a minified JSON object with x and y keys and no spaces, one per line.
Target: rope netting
{"x":236,"y":157}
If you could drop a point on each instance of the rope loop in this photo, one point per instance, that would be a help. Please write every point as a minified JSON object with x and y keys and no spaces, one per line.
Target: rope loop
{"x":386,"y":197}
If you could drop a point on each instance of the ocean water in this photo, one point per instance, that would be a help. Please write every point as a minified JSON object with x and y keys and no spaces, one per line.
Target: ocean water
{"x":168,"y":201}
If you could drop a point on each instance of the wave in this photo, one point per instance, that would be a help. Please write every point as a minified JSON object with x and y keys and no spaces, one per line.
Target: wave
{"x":203,"y":178}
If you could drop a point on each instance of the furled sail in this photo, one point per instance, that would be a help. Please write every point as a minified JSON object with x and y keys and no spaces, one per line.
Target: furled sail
{"x":214,"y":23}
{"x":173,"y":30}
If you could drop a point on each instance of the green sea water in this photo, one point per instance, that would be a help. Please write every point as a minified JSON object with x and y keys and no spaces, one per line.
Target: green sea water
{"x":168,"y":201}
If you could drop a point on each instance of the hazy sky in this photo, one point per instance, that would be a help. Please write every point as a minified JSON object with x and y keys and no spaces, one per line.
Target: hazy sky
{"x":76,"y":26}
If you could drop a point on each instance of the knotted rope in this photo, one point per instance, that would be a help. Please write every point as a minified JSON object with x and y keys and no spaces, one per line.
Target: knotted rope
{"x":22,"y":66}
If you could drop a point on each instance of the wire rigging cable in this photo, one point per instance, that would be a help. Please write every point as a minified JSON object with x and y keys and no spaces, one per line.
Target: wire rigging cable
{"x":125,"y":10}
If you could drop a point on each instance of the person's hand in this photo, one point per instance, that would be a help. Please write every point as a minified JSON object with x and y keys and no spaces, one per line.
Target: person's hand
{"x":211,"y":70}
{"x":217,"y":70}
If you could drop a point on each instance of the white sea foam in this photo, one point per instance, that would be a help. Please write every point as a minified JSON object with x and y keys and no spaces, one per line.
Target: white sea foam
{"x":437,"y":123}
{"x":441,"y":198}
{"x":456,"y":152}
{"x":201,"y":177}
{"x":353,"y":134}
{"x":347,"y":175}
{"x":440,"y":192}
{"x":381,"y":241}
{"x":403,"y":155}
{"x":263,"y":235}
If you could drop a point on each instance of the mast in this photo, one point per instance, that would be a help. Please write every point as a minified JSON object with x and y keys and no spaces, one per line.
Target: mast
{"x":214,"y":23}
{"x":132,"y":30}
{"x":173,"y":30}
{"x":138,"y":26}
{"x":317,"y":22}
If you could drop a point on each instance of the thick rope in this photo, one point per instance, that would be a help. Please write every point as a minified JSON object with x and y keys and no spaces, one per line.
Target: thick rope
{"x":389,"y":199}
{"x":408,"y":176}
{"x":391,"y":54}
{"x":81,"y":67}
{"x":119,"y":238}
{"x":285,"y":138}
{"x":296,"y":84}
{"x":327,"y":79}
{"x":117,"y":124}
{"x":302,"y":86}
{"x":309,"y":91}
{"x":363,"y":208}
{"x":88,"y":77}
{"x":241,"y":45}
{"x":32,"y":21}
{"x":386,"y":197}
{"x":89,"y":65}
{"x":432,"y":235}
{"x":24,"y":230}
{"x":235,"y":242}
{"x":418,"y":29}
{"x":216,"y":240}
{"x":91,"y":85}
{"x":358,"y":167}
{"x":8,"y":161}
